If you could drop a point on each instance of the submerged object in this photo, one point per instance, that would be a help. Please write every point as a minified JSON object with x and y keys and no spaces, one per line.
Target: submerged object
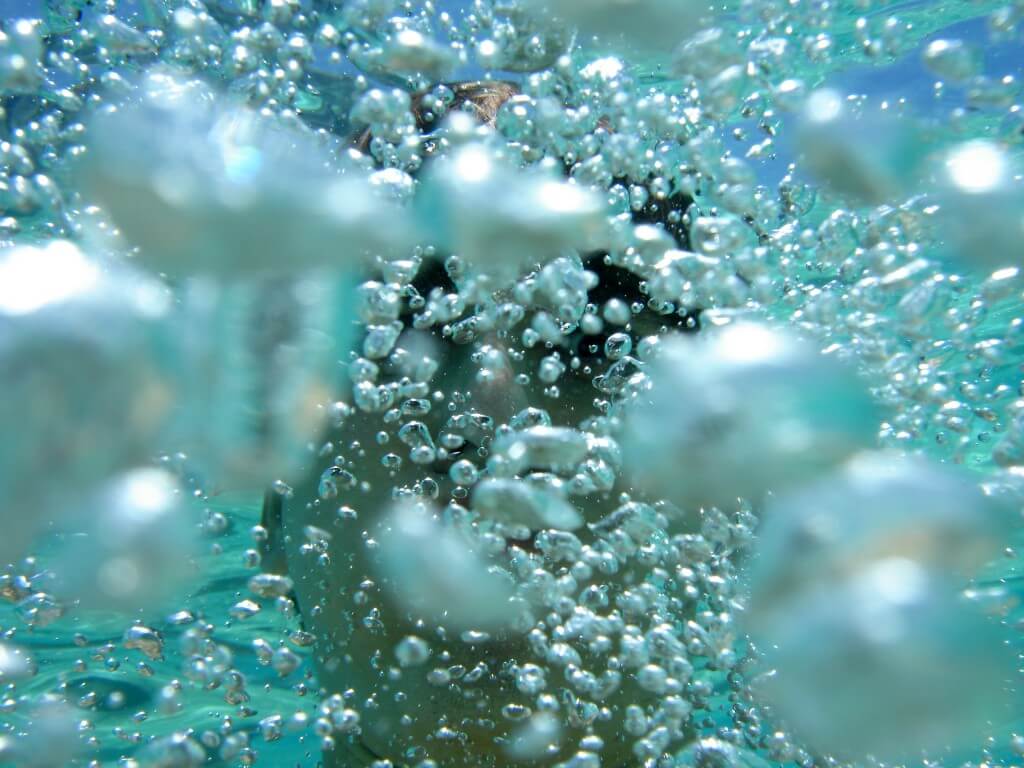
{"x":539,"y":605}
{"x":739,"y":411}
{"x":407,"y":529}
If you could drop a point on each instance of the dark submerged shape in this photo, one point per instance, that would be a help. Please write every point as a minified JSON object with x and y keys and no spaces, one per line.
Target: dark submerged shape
{"x":458,"y":724}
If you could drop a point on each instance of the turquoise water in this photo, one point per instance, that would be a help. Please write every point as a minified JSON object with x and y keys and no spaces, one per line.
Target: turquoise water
{"x":932,"y":351}
{"x":84,"y":654}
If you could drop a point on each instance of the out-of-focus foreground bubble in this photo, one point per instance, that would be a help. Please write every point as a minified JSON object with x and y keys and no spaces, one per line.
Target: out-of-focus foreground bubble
{"x":175,"y":751}
{"x":16,"y":664}
{"x":883,"y":505}
{"x":484,"y":209}
{"x":237,"y":376}
{"x":49,"y":739}
{"x":640,"y":25}
{"x":433,"y":572}
{"x":134,"y":548}
{"x":535,"y":738}
{"x":979,"y":190}
{"x":742,"y":410}
{"x":259,"y":360}
{"x":21,"y":53}
{"x":407,"y":51}
{"x":855,"y":598}
{"x":872,"y":157}
{"x":952,"y":59}
{"x":204,"y":186}
{"x":86,"y":391}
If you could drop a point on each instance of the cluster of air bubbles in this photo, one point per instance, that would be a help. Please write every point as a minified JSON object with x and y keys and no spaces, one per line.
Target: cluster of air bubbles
{"x":621,"y":385}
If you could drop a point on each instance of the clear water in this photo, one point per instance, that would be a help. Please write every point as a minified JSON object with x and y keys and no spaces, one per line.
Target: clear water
{"x":124,"y":699}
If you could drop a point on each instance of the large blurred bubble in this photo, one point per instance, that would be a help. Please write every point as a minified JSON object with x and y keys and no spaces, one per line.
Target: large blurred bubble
{"x":86,"y":390}
{"x":741,"y":410}
{"x":204,"y":186}
{"x":432,"y":572}
{"x":856,"y":605}
{"x":136,"y":537}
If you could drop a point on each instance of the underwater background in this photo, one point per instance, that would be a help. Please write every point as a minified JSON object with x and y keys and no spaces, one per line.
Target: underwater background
{"x":205,"y":668}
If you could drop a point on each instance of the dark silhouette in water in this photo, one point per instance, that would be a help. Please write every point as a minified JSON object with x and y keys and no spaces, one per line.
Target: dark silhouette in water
{"x":354,"y":653}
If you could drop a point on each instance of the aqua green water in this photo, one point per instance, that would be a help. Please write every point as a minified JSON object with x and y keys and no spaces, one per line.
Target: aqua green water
{"x":82,"y":652}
